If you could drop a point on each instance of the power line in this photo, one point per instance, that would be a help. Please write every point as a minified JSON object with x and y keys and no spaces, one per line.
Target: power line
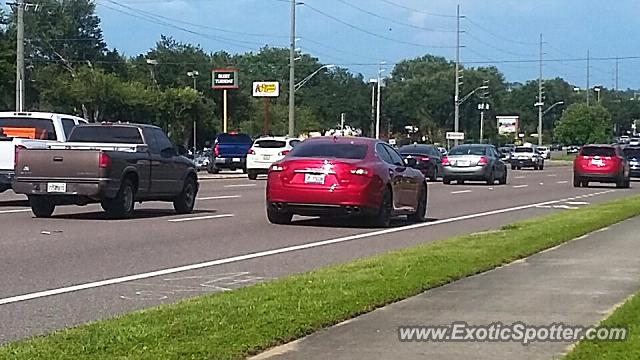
{"x":371,"y":32}
{"x":496,"y":35}
{"x":416,"y":10}
{"x":394,"y":21}
{"x":495,"y":47}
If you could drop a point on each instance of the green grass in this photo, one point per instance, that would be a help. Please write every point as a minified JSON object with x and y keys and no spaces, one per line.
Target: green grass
{"x":235,"y":324}
{"x":565,"y":157}
{"x":627,"y":316}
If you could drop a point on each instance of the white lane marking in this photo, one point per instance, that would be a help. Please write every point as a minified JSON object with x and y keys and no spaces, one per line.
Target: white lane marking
{"x":219,"y":197}
{"x":97,"y":284}
{"x":552,"y":175}
{"x":566,"y":207}
{"x":461,"y":192}
{"x":519,"y":177}
{"x":562,"y":182}
{"x":201,"y":218}
{"x":240,"y":185}
{"x":520,"y":186}
{"x":577,"y":203}
{"x":14,"y":211}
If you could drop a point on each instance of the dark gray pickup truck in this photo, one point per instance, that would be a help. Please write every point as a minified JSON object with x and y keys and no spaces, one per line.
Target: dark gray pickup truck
{"x":115,"y":164}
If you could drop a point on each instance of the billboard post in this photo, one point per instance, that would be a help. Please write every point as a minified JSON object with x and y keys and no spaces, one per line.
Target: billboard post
{"x":266,"y":90}
{"x":225,"y":79}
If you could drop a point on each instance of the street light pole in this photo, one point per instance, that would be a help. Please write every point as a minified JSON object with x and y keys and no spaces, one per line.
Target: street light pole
{"x":540,"y":100}
{"x":194,"y":74}
{"x":373,"y":106}
{"x":378,"y":102}
{"x":456,"y":119}
{"x":20,"y":57}
{"x":292,"y":71}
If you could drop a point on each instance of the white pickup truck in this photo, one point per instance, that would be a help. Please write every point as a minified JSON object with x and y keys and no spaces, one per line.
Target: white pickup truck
{"x":30,"y":130}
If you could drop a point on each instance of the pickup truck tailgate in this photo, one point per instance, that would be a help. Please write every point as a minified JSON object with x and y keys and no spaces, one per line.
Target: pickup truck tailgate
{"x":233,"y":150}
{"x":58,"y":164}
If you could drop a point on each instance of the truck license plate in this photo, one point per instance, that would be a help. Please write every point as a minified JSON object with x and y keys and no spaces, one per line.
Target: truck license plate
{"x":56,"y":187}
{"x":314,"y":179}
{"x":235,"y":159}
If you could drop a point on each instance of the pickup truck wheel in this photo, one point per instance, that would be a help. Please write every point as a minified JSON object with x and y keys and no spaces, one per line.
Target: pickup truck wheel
{"x":122,"y":206}
{"x":41,"y":206}
{"x":252,"y":175}
{"x":185,"y":202}
{"x":213,"y":170}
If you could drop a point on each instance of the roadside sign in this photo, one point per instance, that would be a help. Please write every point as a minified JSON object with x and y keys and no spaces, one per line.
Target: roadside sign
{"x":455,"y":136}
{"x":508,"y":124}
{"x":224,"y":79}
{"x":266,"y":89}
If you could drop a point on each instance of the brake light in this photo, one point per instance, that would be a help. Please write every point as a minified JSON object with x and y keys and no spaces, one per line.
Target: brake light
{"x":445,"y":161}
{"x":424,"y":158}
{"x":104,"y":160}
{"x":216,"y":150}
{"x":483,"y":161}
{"x":284,"y":152}
{"x":276,"y":168}
{"x":250,"y":152}
{"x":17,"y":151}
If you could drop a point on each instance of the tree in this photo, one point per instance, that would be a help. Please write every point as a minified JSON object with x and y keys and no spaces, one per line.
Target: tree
{"x":581,"y":124}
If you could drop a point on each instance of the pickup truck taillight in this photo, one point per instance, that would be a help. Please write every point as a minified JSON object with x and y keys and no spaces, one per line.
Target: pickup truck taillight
{"x":17,"y":152}
{"x":216,"y":150}
{"x":104,"y":161}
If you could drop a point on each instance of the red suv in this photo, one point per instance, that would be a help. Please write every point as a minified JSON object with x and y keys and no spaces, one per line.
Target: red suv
{"x":601,"y":163}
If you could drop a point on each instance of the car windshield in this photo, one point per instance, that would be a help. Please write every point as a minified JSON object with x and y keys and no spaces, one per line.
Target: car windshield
{"x":106,"y":134}
{"x":27,"y":128}
{"x":270,"y":144}
{"x":524,"y":150}
{"x":234,"y":139}
{"x":468,"y":150}
{"x":598,"y":151}
{"x":632,"y":152}
{"x":330,"y":150}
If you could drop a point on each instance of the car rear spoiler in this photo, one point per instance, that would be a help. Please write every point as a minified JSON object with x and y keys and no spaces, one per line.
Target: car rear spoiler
{"x":98,"y":146}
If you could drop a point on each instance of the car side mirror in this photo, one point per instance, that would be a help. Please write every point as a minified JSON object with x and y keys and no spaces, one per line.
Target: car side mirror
{"x":410,"y":162}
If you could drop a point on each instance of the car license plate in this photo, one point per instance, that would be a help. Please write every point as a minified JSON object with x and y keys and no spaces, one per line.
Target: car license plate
{"x":597,"y":162}
{"x":463,"y":163}
{"x":235,"y":159}
{"x":266,"y":157}
{"x":56,"y":187}
{"x":314,"y":178}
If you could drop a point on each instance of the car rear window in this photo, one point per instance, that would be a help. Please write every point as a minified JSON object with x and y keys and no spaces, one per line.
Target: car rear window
{"x":524,"y":150}
{"x":270,"y":144}
{"x":418,"y":150}
{"x":330,"y":150}
{"x":106,"y":134}
{"x":598,"y":151}
{"x":631,"y":152}
{"x":234,"y":139}
{"x":468,"y":150}
{"x":27,"y":128}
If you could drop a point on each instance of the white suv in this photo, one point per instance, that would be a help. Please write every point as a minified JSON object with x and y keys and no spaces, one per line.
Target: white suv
{"x":265,"y":151}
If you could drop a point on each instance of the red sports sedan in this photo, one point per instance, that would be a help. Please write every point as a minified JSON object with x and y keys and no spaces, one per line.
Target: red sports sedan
{"x":344,"y":176}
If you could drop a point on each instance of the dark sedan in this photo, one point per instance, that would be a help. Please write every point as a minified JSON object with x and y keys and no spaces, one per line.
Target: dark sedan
{"x":428,"y":159}
{"x":632,"y":154}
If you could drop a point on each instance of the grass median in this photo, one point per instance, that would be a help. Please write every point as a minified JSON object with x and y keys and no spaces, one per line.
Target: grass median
{"x":238,"y":323}
{"x":627,"y":316}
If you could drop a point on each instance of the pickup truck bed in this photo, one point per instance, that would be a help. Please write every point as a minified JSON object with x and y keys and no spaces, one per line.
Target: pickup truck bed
{"x":115,"y":174}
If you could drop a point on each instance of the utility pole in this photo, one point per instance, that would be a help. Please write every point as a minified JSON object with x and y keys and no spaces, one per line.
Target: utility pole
{"x":20,"y":83}
{"x":483,"y":107}
{"x":456,"y":119}
{"x":378,"y":103}
{"x":373,"y":108}
{"x":617,"y":61}
{"x":540,"y":99}
{"x":292,"y":72}
{"x":588,"y":75}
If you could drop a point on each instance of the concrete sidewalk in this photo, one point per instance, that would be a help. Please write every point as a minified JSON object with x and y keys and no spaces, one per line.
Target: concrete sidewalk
{"x":578,"y":283}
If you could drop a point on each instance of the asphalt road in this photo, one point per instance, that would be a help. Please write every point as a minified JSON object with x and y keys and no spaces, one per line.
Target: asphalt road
{"x":79,"y":266}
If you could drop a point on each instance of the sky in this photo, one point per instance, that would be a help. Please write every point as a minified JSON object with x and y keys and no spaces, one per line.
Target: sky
{"x":359,"y":34}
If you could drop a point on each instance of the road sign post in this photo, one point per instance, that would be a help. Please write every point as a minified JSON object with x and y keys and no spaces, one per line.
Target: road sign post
{"x":266,"y":90}
{"x":225,"y":79}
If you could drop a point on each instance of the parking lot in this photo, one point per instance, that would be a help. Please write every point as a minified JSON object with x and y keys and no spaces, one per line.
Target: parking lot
{"x":80,"y":266}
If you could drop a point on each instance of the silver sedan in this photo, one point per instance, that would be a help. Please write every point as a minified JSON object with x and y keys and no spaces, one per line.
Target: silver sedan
{"x":474,"y":163}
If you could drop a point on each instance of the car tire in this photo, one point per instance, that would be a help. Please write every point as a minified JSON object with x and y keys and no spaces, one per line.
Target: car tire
{"x":460,"y":182}
{"x":446,"y":181}
{"x":503,"y":179}
{"x":627,"y":183}
{"x":123,"y":205}
{"x":434,"y":175}
{"x":41,"y":206}
{"x":186,"y":201}
{"x":421,"y":212}
{"x":542,"y":166}
{"x":513,"y":167}
{"x":577,"y":182}
{"x":252,"y":175}
{"x":491,"y":179}
{"x":585,"y":183}
{"x":383,"y":217}
{"x":213,"y":170}
{"x":278,"y":217}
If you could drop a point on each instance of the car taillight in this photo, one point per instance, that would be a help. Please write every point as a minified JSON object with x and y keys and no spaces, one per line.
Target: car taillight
{"x":250,"y":152}
{"x":445,"y":161}
{"x":17,"y":152}
{"x":483,"y":161}
{"x":104,"y":161}
{"x":276,"y":168}
{"x":424,"y":158}
{"x":284,"y":152}
{"x":216,"y":150}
